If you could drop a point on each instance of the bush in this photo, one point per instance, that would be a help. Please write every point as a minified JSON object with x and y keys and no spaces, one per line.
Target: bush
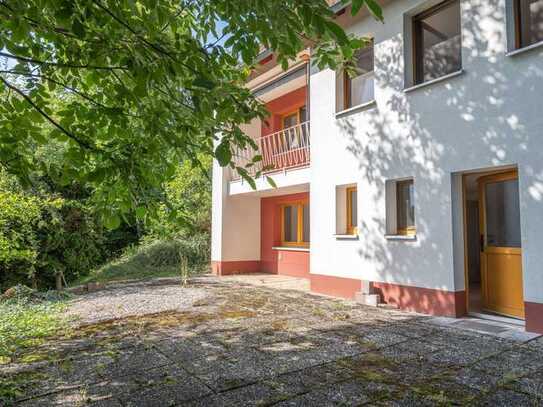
{"x":42,"y":236}
{"x":19,"y":246}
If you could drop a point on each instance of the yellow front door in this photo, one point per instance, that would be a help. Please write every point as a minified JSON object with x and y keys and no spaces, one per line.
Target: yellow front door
{"x":501,"y":254}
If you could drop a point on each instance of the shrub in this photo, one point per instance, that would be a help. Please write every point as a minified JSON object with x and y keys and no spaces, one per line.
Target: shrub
{"x":42,"y":236}
{"x":19,"y":246}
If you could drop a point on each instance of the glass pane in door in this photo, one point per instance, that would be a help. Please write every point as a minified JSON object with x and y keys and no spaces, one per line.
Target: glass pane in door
{"x":502,"y":214}
{"x":290,"y":219}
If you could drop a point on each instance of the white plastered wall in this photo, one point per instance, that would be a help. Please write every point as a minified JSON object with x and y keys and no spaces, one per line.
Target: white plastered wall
{"x":491,"y":115}
{"x":235,"y":220}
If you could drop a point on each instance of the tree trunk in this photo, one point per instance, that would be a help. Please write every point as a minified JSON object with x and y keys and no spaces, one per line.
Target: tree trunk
{"x":58,"y":281}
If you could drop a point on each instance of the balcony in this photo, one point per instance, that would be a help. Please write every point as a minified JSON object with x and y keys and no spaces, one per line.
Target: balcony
{"x":283,"y":150}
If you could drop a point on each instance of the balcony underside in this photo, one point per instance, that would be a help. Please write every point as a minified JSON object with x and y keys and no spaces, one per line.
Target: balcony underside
{"x":288,"y":181}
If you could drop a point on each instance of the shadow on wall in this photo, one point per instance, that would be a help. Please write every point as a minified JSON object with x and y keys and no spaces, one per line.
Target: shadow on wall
{"x":486,"y":117}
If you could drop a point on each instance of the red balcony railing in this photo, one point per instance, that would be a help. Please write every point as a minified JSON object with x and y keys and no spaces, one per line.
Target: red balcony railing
{"x":285,"y":149}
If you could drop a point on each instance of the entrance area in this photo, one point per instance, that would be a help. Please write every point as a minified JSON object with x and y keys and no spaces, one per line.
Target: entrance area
{"x":493,"y":245}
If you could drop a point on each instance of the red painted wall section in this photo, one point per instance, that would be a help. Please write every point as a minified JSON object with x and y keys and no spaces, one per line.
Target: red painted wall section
{"x":285,"y":262}
{"x":534,"y":317}
{"x":335,"y":286}
{"x":227,"y":268}
{"x":283,"y":105}
{"x":423,"y":300}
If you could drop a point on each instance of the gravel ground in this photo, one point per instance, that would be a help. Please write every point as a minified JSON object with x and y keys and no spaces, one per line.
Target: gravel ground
{"x":132,"y":299}
{"x":219,"y":342}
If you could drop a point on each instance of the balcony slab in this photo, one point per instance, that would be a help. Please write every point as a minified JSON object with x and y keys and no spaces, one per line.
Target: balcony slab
{"x":292,"y":179}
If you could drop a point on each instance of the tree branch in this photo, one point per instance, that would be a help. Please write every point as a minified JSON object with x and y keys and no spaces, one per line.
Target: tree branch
{"x":82,"y":143}
{"x":71,"y":89}
{"x":35,"y":61}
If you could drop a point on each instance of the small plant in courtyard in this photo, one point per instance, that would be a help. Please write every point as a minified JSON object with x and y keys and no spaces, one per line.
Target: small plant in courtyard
{"x":184,"y":269}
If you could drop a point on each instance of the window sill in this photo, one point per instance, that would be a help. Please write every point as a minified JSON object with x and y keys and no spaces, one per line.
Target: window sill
{"x":434,"y":81}
{"x":401,"y":237}
{"x":525,"y":49}
{"x":291,"y":249}
{"x":346,"y":237}
{"x":357,"y":108}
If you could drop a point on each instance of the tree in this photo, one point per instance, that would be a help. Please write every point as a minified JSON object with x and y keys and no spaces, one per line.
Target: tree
{"x":148,"y":84}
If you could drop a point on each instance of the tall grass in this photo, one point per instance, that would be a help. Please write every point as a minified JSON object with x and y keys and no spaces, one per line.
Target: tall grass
{"x":157,"y":258}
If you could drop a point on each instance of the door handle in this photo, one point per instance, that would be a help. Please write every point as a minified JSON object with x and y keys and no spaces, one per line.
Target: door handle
{"x":482,"y":243}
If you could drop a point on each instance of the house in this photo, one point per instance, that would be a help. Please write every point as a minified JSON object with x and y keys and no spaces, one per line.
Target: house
{"x":419,"y":181}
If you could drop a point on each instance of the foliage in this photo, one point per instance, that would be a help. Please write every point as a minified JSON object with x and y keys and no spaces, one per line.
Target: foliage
{"x":19,"y":217}
{"x":27,"y":318}
{"x":41,"y":236}
{"x":156,"y":258}
{"x":187,"y":206}
{"x":130,"y":88}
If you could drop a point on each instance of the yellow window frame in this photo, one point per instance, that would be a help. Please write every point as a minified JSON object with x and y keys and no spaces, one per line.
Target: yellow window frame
{"x":351,"y":229}
{"x":299,"y":224}
{"x":409,"y":230}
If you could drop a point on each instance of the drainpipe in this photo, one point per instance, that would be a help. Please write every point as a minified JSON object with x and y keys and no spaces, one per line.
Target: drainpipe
{"x":307,"y":84}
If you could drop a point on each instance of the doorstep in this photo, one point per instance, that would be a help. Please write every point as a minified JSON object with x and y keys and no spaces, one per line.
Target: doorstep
{"x":483,"y":326}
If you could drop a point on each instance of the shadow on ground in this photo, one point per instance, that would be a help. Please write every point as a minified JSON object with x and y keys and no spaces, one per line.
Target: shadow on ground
{"x":244,"y":345}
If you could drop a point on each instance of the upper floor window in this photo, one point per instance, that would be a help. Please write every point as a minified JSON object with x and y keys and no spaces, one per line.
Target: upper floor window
{"x":356,"y":90}
{"x":437,"y":45}
{"x":293,"y":118}
{"x":528,"y":22}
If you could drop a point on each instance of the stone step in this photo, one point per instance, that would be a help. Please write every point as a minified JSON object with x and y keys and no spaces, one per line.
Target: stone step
{"x":372,"y":300}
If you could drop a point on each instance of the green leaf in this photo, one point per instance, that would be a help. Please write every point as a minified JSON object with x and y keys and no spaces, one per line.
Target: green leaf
{"x":223,"y":153}
{"x":112,"y":222}
{"x":271,"y":182}
{"x":338,"y":32}
{"x":375,"y":9}
{"x":202,"y":82}
{"x":141,"y":211}
{"x":356,"y":6}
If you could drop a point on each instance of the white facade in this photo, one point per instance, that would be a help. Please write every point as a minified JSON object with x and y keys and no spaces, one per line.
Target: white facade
{"x":486,"y":116}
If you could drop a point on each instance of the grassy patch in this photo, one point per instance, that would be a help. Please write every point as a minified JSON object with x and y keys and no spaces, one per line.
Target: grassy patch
{"x":26,"y":321}
{"x":120,"y":270}
{"x":161,"y":258}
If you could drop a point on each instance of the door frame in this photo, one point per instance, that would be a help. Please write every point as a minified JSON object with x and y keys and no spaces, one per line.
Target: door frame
{"x":481,"y":182}
{"x":481,"y":173}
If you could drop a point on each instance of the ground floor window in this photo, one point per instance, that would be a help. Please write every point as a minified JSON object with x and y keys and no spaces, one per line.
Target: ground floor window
{"x":295,"y":224}
{"x":405,"y":207}
{"x":352,"y":215}
{"x":400,"y":207}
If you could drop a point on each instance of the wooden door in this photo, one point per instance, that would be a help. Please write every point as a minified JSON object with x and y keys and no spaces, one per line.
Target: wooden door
{"x":501,"y":253}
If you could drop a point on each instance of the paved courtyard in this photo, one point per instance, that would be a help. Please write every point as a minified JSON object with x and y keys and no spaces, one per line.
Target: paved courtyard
{"x":225,"y":343}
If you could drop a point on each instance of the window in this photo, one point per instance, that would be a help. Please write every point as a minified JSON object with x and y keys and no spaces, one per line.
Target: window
{"x":352,"y":212}
{"x":405,"y":208}
{"x":357,"y":90}
{"x":295,"y":224}
{"x":293,"y":137}
{"x":437,"y":45}
{"x":528,"y":22}
{"x":293,"y":118}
